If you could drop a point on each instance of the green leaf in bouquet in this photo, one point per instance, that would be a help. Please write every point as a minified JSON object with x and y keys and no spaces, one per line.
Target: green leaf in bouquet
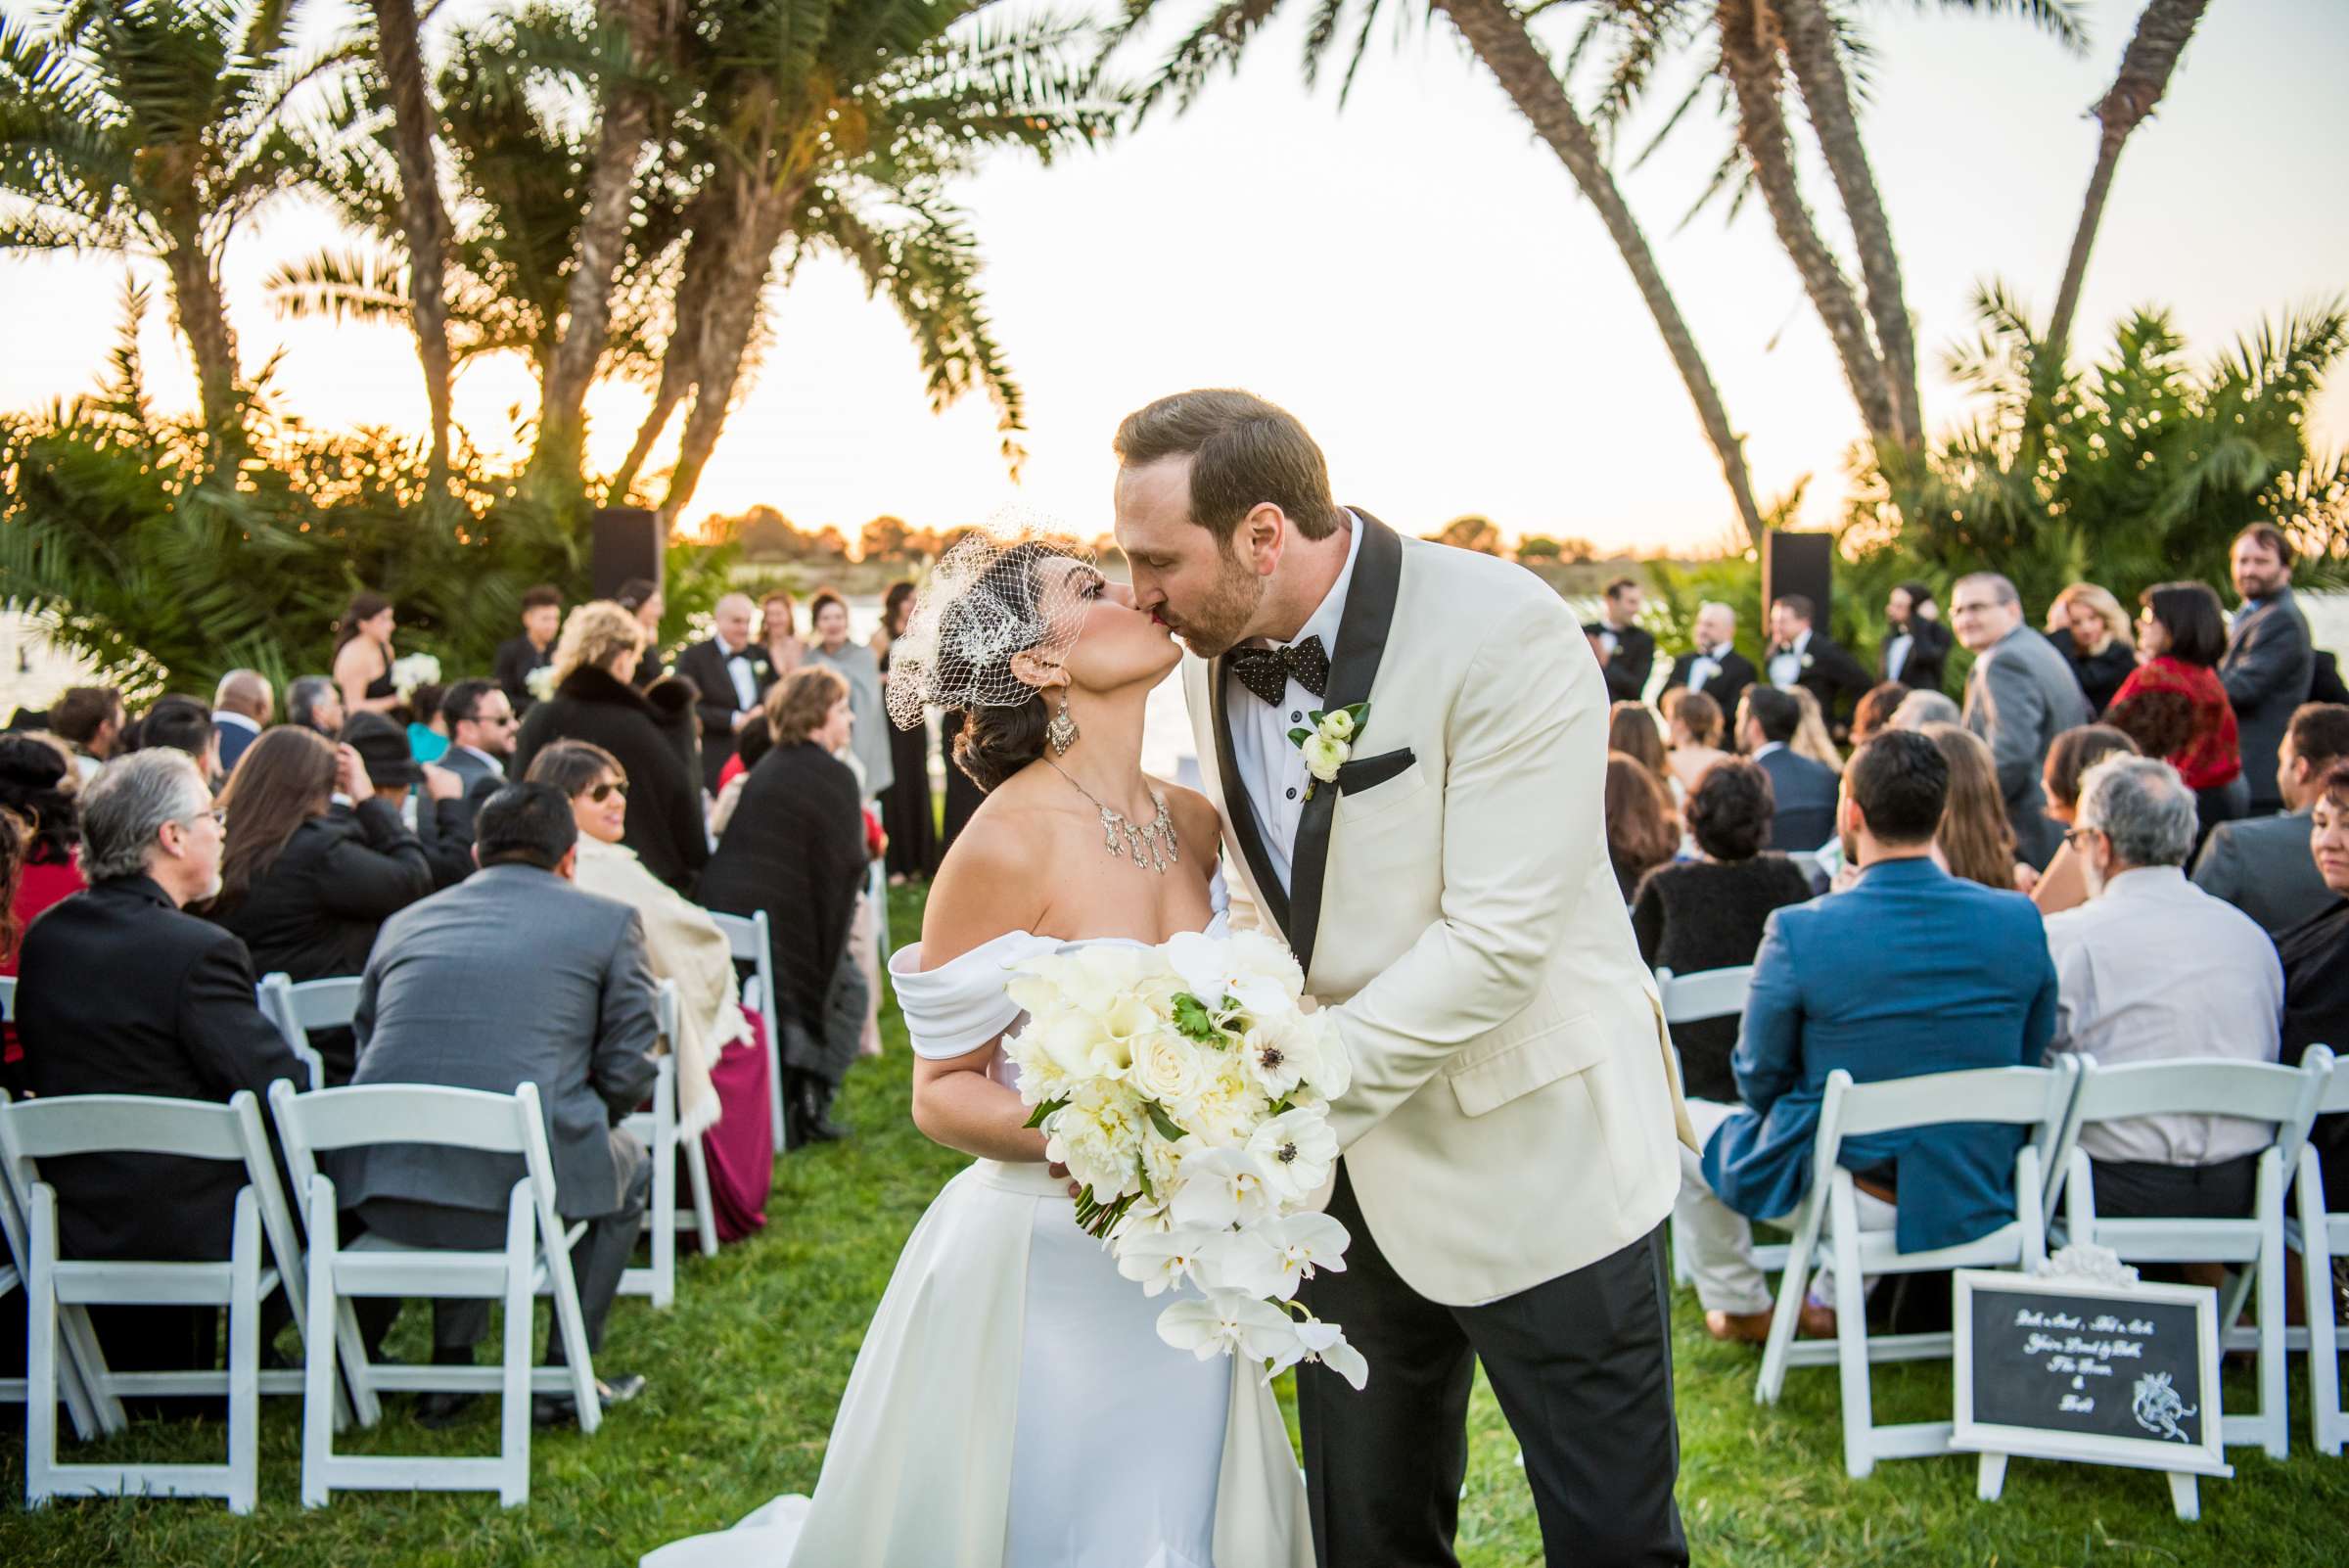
{"x":1298,"y":737}
{"x":1166,"y":1128}
{"x":1043,"y":1112}
{"x":1192,"y":1020}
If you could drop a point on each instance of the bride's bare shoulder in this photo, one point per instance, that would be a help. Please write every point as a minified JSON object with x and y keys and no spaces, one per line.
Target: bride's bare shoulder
{"x":988,"y":885}
{"x":1195,"y":818}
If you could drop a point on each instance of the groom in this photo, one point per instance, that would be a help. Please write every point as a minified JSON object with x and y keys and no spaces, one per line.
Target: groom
{"x":1509,"y":1138}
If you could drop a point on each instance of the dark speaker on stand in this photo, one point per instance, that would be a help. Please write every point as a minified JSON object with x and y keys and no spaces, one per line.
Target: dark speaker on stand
{"x":627,"y":547}
{"x":1799,"y":563}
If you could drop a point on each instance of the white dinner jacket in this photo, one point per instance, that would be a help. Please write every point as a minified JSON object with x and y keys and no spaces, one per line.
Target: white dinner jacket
{"x":1515,"y":1100}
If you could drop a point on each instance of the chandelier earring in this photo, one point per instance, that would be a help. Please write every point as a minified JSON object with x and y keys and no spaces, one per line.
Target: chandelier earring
{"x":1062,"y":729}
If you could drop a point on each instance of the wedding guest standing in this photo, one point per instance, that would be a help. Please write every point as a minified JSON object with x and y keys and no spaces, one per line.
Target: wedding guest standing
{"x":642,"y":598}
{"x":242,"y":707}
{"x":304,"y":884}
{"x":905,"y":814}
{"x":89,"y":719}
{"x":595,"y":699}
{"x":1628,"y":649}
{"x":2063,"y":885}
{"x":517,"y":657}
{"x":1696,"y":734}
{"x":730,"y":674}
{"x":2019,"y":696}
{"x":1641,"y":831}
{"x":1716,"y":667}
{"x":2270,"y":661}
{"x":363,"y":654}
{"x":1802,"y":654}
{"x":780,"y":631}
{"x":828,"y":614}
{"x":1876,"y":709}
{"x":1975,"y":841}
{"x":796,"y":848}
{"x":2173,"y":704}
{"x":1917,"y":646}
{"x":2316,"y":971}
{"x":2263,"y":865}
{"x":2087,"y":625}
{"x":721,"y":1090}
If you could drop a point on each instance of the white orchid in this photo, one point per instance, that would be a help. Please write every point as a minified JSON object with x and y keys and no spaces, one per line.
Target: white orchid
{"x":1250,"y":968}
{"x":1220,"y":1187}
{"x":1159,"y":1260}
{"x":1305,"y":1244}
{"x":1238,"y":1260}
{"x":1226,"y":1322}
{"x":1294,"y":1153}
{"x":1313,"y":1340}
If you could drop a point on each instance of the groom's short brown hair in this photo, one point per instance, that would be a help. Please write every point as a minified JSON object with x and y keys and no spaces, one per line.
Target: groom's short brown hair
{"x":1244,"y":452}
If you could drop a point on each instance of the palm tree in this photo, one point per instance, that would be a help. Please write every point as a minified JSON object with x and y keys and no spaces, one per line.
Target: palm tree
{"x":151,"y":127}
{"x":424,"y":218}
{"x":2162,"y":33}
{"x":1498,"y":34}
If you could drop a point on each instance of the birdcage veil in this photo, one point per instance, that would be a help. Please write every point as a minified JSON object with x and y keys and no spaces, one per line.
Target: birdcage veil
{"x":992,"y":595}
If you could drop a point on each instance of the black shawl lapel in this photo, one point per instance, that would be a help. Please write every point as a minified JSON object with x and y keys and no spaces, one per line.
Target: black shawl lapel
{"x":1236,"y":804}
{"x":1352,"y":671}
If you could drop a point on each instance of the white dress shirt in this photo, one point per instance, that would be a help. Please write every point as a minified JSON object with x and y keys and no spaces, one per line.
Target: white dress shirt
{"x":738,"y":666}
{"x":221,"y":715}
{"x":1703,"y":668}
{"x":2155,"y":969}
{"x":1786,"y":668}
{"x":1896,"y":655}
{"x":1269,"y":763}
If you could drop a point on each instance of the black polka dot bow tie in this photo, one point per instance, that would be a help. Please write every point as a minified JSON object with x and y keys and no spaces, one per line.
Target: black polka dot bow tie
{"x":1268,"y":671}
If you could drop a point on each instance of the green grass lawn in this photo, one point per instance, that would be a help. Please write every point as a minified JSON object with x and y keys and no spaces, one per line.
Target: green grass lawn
{"x":745,"y":1370}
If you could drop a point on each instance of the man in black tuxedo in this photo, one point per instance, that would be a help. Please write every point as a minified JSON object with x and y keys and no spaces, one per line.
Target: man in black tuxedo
{"x":731,"y":673}
{"x":1917,"y":645}
{"x":1801,"y":655}
{"x":534,"y":649}
{"x":124,"y":993}
{"x":1626,"y":651}
{"x":1716,"y":668}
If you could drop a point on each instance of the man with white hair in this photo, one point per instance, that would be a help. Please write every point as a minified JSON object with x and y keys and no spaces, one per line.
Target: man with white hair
{"x":731,"y":673}
{"x":124,"y":993}
{"x":2152,"y":968}
{"x":1716,"y":668}
{"x":2019,"y":696}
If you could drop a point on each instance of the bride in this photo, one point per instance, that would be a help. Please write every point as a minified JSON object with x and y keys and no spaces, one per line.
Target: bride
{"x":1012,"y":1406}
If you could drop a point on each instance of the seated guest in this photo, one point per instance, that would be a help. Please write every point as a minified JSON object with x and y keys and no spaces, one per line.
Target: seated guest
{"x":2316,"y":973}
{"x":796,"y":848}
{"x":1877,"y":707}
{"x":184,"y":725}
{"x":596,"y":699}
{"x":242,"y":707}
{"x":512,"y":977}
{"x":1641,"y":832}
{"x":1632,"y":730}
{"x":427,"y":730}
{"x":517,"y":657}
{"x":748,"y":747}
{"x":1921,"y":708}
{"x":2087,"y":625}
{"x":681,"y":943}
{"x":38,"y":785}
{"x":315,"y":703}
{"x":1708,"y":913}
{"x":480,"y":742}
{"x":2173,"y":704}
{"x":1805,"y":790}
{"x":1695,"y":723}
{"x":307,"y":886}
{"x":1912,"y":971}
{"x":2063,"y":886}
{"x":89,"y":719}
{"x":1811,"y":737}
{"x":1974,"y":841}
{"x":124,"y":993}
{"x":433,"y":817}
{"x":2154,"y":969}
{"x":2262,"y":864}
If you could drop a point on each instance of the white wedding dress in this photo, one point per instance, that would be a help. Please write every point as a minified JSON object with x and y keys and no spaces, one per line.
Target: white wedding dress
{"x":1012,"y":1406}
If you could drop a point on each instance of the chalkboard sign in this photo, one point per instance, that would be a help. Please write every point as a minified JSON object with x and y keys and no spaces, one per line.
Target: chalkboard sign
{"x":2062,"y":1366}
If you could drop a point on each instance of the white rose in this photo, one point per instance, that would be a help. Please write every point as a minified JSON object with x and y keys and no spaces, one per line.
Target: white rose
{"x":1323,"y":757}
{"x":1329,"y":1067}
{"x":1338,"y":727}
{"x":1294,"y":1151}
{"x":1167,"y":1069}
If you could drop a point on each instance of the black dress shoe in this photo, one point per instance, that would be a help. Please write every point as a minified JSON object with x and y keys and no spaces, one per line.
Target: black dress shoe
{"x":561,"y":1409}
{"x":441,"y":1407}
{"x":814,"y":1101}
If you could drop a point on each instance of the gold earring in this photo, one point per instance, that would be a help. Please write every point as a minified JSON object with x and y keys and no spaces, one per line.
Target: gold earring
{"x":1062,"y":730}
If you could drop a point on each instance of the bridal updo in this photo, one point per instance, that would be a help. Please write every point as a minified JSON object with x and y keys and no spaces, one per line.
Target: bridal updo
{"x":987,"y":602}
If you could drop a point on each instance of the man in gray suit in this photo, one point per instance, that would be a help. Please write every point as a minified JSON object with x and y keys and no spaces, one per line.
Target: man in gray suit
{"x":2270,"y":659}
{"x":512,"y":977}
{"x":2263,"y":864}
{"x":1804,"y":791}
{"x":2019,"y":696}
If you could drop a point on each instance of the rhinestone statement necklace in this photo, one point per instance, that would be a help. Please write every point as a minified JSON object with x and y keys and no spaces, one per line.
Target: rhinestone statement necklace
{"x":1151,"y":848}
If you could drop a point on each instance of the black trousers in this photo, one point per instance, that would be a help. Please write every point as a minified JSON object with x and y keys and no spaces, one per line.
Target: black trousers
{"x":2138,"y":1188}
{"x":1582,"y":1365}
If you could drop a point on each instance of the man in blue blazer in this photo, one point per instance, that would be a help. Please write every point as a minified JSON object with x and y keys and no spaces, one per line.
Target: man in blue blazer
{"x":1910,"y":971}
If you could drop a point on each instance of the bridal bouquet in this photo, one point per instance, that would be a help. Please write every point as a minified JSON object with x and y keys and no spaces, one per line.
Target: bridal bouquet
{"x":411,"y":670}
{"x":1186,"y":1088}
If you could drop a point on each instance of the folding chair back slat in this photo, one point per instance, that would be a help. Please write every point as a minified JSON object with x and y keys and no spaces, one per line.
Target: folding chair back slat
{"x":1705,"y":993}
{"x":409,"y":1113}
{"x":658,"y":1129}
{"x":748,"y":939}
{"x":118,"y":1124}
{"x":2013,"y":1095}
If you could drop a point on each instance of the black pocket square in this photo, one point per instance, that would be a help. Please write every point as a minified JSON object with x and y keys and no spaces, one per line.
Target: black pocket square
{"x":1369,"y":772}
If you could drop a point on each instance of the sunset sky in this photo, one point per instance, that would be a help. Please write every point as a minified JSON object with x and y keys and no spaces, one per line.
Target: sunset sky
{"x":1419,"y":281}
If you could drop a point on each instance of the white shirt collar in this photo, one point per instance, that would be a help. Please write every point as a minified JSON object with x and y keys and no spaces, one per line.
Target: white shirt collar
{"x":221,"y":715}
{"x":2147,"y":882}
{"x":1765,"y":748}
{"x":1326,"y":618}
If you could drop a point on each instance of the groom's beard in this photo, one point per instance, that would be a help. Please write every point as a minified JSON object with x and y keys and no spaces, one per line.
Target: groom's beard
{"x":1213,"y":628}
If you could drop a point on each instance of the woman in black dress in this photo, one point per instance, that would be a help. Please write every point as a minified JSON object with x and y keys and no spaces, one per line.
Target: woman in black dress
{"x":2316,"y":976}
{"x":2089,"y":628}
{"x":906,"y":804}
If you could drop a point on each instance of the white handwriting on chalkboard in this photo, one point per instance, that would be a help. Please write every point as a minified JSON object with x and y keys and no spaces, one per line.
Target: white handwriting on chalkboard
{"x":2080,"y":1403}
{"x":2072,"y":1346}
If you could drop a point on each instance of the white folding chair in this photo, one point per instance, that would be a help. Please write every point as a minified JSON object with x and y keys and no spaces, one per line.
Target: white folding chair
{"x":16,"y":1268}
{"x":658,"y":1129}
{"x":2321,"y":1233}
{"x":2034,"y":1097}
{"x":534,"y":1261}
{"x":876,"y":889}
{"x":2258,"y":1091}
{"x":297,"y":1008}
{"x":262,"y":1258}
{"x":747,"y":937}
{"x":1689,"y":998}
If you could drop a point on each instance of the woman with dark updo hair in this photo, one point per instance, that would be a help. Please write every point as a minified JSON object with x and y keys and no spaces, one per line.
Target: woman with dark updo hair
{"x":38,"y":783}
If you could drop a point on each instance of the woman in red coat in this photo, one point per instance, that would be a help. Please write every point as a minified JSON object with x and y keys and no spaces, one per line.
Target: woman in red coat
{"x":37,"y":786}
{"x":2172,"y":704}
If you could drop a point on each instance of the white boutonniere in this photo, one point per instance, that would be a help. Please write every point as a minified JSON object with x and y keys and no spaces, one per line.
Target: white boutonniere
{"x":540,"y":683}
{"x":1328,"y":742}
{"x":1808,"y":660}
